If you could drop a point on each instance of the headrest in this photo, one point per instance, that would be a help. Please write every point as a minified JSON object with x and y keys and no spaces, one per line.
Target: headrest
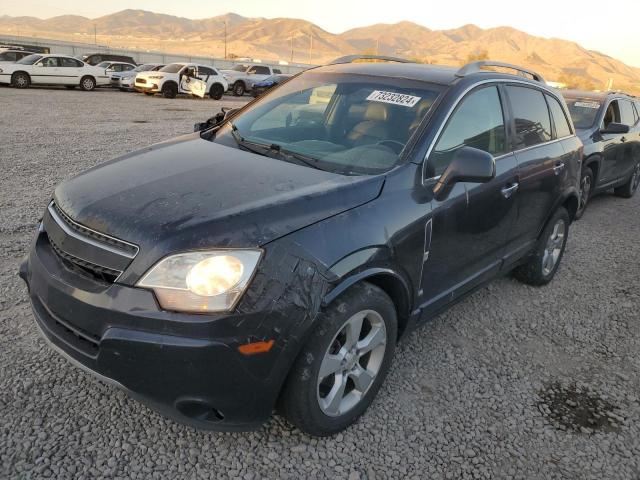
{"x":376,"y":112}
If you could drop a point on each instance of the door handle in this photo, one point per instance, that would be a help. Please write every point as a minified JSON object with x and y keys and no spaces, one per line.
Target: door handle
{"x":510,"y":189}
{"x":558,"y":168}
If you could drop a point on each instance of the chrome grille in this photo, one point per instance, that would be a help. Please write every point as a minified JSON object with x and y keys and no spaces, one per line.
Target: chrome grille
{"x":84,"y":250}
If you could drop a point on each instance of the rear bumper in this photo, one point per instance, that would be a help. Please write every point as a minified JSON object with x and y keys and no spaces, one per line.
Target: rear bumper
{"x":118,"y":334}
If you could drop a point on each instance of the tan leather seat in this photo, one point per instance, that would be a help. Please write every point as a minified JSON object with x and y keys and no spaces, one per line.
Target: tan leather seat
{"x":373,"y":128}
{"x":421,"y":111}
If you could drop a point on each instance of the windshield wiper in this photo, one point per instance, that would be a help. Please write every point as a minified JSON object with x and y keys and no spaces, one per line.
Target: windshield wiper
{"x":273,"y":148}
{"x":299,"y":157}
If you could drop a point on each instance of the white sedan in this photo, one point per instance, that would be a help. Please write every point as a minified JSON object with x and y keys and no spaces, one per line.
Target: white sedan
{"x":48,"y":69}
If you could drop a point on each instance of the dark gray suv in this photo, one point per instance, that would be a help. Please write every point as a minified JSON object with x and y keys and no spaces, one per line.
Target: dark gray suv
{"x":609,"y":126}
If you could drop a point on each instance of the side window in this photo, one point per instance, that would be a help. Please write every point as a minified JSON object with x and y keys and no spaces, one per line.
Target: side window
{"x":559,"y":118}
{"x":260,"y":70}
{"x":204,"y":71}
{"x":9,"y":57}
{"x":531,"y":115}
{"x":277,"y":71}
{"x":612,"y":115}
{"x":68,"y":62}
{"x":477,"y":122}
{"x":626,"y":113}
{"x":49,"y":62}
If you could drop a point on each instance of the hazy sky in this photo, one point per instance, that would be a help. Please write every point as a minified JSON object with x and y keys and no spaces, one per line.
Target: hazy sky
{"x":613,"y":29}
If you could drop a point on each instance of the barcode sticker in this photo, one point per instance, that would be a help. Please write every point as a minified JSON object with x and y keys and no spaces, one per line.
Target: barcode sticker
{"x":594,"y":105}
{"x":393,"y":98}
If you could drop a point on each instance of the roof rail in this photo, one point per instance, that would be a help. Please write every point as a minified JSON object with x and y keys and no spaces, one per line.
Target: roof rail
{"x":353,"y":58}
{"x":620,"y":92}
{"x":475,"y":67}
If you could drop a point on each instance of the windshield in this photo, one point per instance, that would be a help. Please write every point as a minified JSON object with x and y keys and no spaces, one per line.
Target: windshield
{"x":30,"y":60}
{"x":172,"y":68}
{"x":239,"y":68}
{"x":351,"y":124}
{"x":584,"y":111}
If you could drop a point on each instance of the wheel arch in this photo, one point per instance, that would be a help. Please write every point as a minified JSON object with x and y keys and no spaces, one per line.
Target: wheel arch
{"x":390,"y":281}
{"x":593,"y":162}
{"x":20,"y":71}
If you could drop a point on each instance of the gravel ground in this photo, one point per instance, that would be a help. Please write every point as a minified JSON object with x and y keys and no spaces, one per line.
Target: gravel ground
{"x":514,"y":382}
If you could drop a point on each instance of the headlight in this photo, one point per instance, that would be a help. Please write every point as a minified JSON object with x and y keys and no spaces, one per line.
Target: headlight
{"x":207,"y":281}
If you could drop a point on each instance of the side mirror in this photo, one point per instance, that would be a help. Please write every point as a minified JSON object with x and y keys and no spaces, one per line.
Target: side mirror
{"x":468,"y":165}
{"x":615,"y":128}
{"x":215,"y":120}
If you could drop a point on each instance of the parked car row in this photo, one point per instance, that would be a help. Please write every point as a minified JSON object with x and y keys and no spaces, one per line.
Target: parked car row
{"x":315,"y":227}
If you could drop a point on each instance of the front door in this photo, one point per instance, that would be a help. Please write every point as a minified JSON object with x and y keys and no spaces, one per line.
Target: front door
{"x":46,"y":71}
{"x":470,"y":228}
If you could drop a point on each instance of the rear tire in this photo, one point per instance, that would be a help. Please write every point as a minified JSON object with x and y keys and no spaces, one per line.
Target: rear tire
{"x":21,"y":80}
{"x":216,"y":91}
{"x":543,"y":264}
{"x":629,"y":189}
{"x":353,"y":344}
{"x":238,"y":89}
{"x":87,"y":84}
{"x":586,"y":188}
{"x":169,"y":90}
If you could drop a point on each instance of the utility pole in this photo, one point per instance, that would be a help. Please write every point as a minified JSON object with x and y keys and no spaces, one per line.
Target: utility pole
{"x":377,"y":45}
{"x":310,"y":43}
{"x":95,"y":34}
{"x":291,"y":47}
{"x":225,"y":39}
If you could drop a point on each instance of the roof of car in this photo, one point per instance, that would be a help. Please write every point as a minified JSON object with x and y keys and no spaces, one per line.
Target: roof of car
{"x":573,"y":93}
{"x":412,"y":71}
{"x":437,"y":74}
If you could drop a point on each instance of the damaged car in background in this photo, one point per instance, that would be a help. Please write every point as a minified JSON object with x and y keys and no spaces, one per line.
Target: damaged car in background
{"x":273,"y":259}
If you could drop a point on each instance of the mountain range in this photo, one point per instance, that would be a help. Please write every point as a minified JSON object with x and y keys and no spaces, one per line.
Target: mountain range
{"x":304,"y":42}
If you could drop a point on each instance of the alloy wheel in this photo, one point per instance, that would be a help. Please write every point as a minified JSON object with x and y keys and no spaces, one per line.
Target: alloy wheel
{"x":554,"y":247}
{"x":351,"y":363}
{"x":585,"y":191}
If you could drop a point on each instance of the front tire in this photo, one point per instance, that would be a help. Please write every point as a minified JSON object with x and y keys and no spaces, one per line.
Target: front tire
{"x":629,"y":189}
{"x":216,"y":91}
{"x":239,"y":89}
{"x":343,"y":364}
{"x":586,"y":188}
{"x":87,"y":84}
{"x":543,"y":265}
{"x":21,"y":80}
{"x":169,"y":90}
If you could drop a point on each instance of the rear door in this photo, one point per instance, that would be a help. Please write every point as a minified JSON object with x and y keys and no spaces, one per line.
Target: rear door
{"x":471,"y":226}
{"x":70,"y":70}
{"x":541,"y":162}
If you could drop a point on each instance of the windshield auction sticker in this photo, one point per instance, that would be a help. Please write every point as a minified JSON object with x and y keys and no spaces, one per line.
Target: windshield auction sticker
{"x":393,"y":98}
{"x":594,"y":105}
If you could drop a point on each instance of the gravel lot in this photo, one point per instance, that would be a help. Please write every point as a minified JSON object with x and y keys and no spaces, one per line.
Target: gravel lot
{"x":514,"y":382}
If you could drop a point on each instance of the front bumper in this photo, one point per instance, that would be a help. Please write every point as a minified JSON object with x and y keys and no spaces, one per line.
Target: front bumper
{"x":147,"y":87}
{"x":187,"y":367}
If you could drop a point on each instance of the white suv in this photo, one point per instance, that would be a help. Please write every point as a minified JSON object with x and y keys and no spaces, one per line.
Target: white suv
{"x":169,"y":80}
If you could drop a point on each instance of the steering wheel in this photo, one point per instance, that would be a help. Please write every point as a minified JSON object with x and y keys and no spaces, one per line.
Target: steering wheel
{"x":392,"y":144}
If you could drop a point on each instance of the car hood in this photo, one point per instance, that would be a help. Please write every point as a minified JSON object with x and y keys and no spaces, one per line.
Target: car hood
{"x":192,"y":193}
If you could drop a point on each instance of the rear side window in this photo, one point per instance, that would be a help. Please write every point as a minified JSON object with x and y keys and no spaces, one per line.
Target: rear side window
{"x":627,"y":113}
{"x":70,"y":62}
{"x":559,"y":118}
{"x":8,"y":56}
{"x":277,"y":71}
{"x":531,"y":115}
{"x":478,"y":122}
{"x":206,"y":71}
